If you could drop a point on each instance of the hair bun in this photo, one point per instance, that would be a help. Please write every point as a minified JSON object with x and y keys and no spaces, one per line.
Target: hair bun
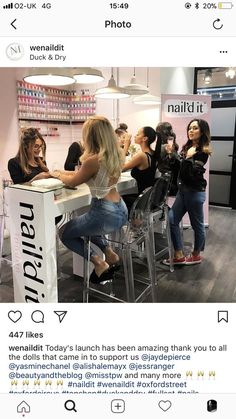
{"x":123,"y":126}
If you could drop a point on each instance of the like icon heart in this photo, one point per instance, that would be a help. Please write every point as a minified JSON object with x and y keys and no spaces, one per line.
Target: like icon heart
{"x":14,"y":316}
{"x":165,"y":405}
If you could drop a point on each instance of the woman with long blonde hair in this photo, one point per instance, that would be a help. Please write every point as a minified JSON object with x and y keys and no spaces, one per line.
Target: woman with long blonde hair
{"x":101,"y":167}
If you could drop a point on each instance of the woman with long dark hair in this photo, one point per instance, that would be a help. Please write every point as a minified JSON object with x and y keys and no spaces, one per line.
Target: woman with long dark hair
{"x":143,"y":164}
{"x":191,"y":194}
{"x":167,"y":153}
{"x":29,"y":163}
{"x":75,"y":151}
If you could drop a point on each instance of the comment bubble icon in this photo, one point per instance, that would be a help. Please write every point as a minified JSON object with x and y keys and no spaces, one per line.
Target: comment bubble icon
{"x":37,"y":316}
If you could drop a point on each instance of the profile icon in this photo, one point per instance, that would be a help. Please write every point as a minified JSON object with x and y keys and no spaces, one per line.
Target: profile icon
{"x":211,"y":405}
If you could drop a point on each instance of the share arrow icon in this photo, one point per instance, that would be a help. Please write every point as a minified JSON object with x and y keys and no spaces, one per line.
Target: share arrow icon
{"x":61,"y":315}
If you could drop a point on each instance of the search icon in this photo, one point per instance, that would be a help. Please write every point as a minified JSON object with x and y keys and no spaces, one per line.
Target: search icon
{"x":70,"y":405}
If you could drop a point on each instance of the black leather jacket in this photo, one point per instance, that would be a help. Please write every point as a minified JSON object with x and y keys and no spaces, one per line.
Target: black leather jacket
{"x":191,"y":172}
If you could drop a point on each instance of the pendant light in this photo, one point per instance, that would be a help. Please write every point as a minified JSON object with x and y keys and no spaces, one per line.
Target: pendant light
{"x":111,"y":91}
{"x":230,"y":73}
{"x":88,"y":75}
{"x":135,"y":88}
{"x":147,"y":99}
{"x":208,"y":76}
{"x":49,"y":77}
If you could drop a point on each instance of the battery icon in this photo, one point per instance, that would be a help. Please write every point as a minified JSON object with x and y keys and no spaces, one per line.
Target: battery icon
{"x":225,"y":5}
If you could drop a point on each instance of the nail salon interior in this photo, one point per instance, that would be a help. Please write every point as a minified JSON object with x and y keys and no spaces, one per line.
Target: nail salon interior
{"x":37,"y":267}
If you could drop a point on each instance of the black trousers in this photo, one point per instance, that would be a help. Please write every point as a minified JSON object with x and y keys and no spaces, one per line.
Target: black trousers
{"x":129,"y":200}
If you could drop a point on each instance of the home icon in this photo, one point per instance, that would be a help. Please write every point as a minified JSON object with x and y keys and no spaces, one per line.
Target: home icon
{"x":23,"y":407}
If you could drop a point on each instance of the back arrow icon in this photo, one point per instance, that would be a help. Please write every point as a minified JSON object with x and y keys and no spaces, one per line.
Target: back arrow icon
{"x":12,"y":24}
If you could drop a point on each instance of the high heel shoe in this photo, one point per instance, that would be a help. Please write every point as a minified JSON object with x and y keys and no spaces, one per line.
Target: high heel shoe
{"x":115,"y":267}
{"x":106,"y":276}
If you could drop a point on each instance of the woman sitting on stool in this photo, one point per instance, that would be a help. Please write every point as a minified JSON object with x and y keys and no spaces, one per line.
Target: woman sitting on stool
{"x":73,"y":156}
{"x":143,"y":164}
{"x":101,"y":167}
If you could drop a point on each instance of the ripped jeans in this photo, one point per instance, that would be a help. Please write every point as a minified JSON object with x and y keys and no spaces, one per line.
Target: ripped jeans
{"x":103,"y":217}
{"x":191,"y":202}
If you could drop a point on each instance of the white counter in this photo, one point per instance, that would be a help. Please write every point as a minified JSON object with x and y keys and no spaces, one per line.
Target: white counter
{"x":33,"y":235}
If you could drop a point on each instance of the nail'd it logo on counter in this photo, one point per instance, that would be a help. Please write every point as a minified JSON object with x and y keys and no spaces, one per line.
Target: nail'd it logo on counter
{"x":180,"y":108}
{"x":32,"y":257}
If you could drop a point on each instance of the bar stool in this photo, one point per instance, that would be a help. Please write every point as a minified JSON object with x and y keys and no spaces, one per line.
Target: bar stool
{"x":59,"y":222}
{"x":170,"y":201}
{"x":137,"y":239}
{"x":99,"y":288}
{"x":154,"y":211}
{"x":133,"y":234}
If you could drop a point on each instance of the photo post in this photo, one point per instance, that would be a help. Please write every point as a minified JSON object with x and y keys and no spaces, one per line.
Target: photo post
{"x":118,"y":209}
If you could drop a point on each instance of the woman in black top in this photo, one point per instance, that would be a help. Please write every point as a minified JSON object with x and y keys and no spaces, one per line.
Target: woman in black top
{"x":191,"y":194}
{"x":28,"y":165}
{"x":143,"y":164}
{"x":166,"y":150}
{"x":74,"y":153}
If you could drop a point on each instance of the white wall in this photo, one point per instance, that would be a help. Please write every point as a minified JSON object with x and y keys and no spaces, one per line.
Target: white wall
{"x":8,"y":116}
{"x":177,"y":80}
{"x":135,"y":116}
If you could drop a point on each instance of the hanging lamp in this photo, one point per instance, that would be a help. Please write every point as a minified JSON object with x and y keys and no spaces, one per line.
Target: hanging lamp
{"x":88,"y":75}
{"x":134,"y":88}
{"x":49,"y":77}
{"x":147,"y":99}
{"x":208,"y":76}
{"x":111,"y":91}
{"x":230,"y":73}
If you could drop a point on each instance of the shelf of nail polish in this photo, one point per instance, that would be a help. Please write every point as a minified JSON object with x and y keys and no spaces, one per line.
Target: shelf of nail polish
{"x":51,"y":129}
{"x":51,"y":104}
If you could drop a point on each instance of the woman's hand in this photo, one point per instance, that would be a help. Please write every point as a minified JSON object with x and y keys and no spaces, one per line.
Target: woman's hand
{"x":168,"y":148}
{"x":55,"y":173}
{"x":191,"y":151}
{"x":126,"y":138}
{"x":42,"y":175}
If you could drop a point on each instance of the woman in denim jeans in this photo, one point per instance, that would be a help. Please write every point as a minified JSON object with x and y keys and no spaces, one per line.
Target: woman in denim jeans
{"x":191,"y":194}
{"x":101,"y":167}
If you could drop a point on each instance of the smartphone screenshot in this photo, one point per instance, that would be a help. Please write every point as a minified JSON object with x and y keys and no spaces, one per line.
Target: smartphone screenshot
{"x":117,"y":209}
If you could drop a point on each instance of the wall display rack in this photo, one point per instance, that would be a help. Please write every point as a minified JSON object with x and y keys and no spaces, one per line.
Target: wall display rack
{"x":49,"y":104}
